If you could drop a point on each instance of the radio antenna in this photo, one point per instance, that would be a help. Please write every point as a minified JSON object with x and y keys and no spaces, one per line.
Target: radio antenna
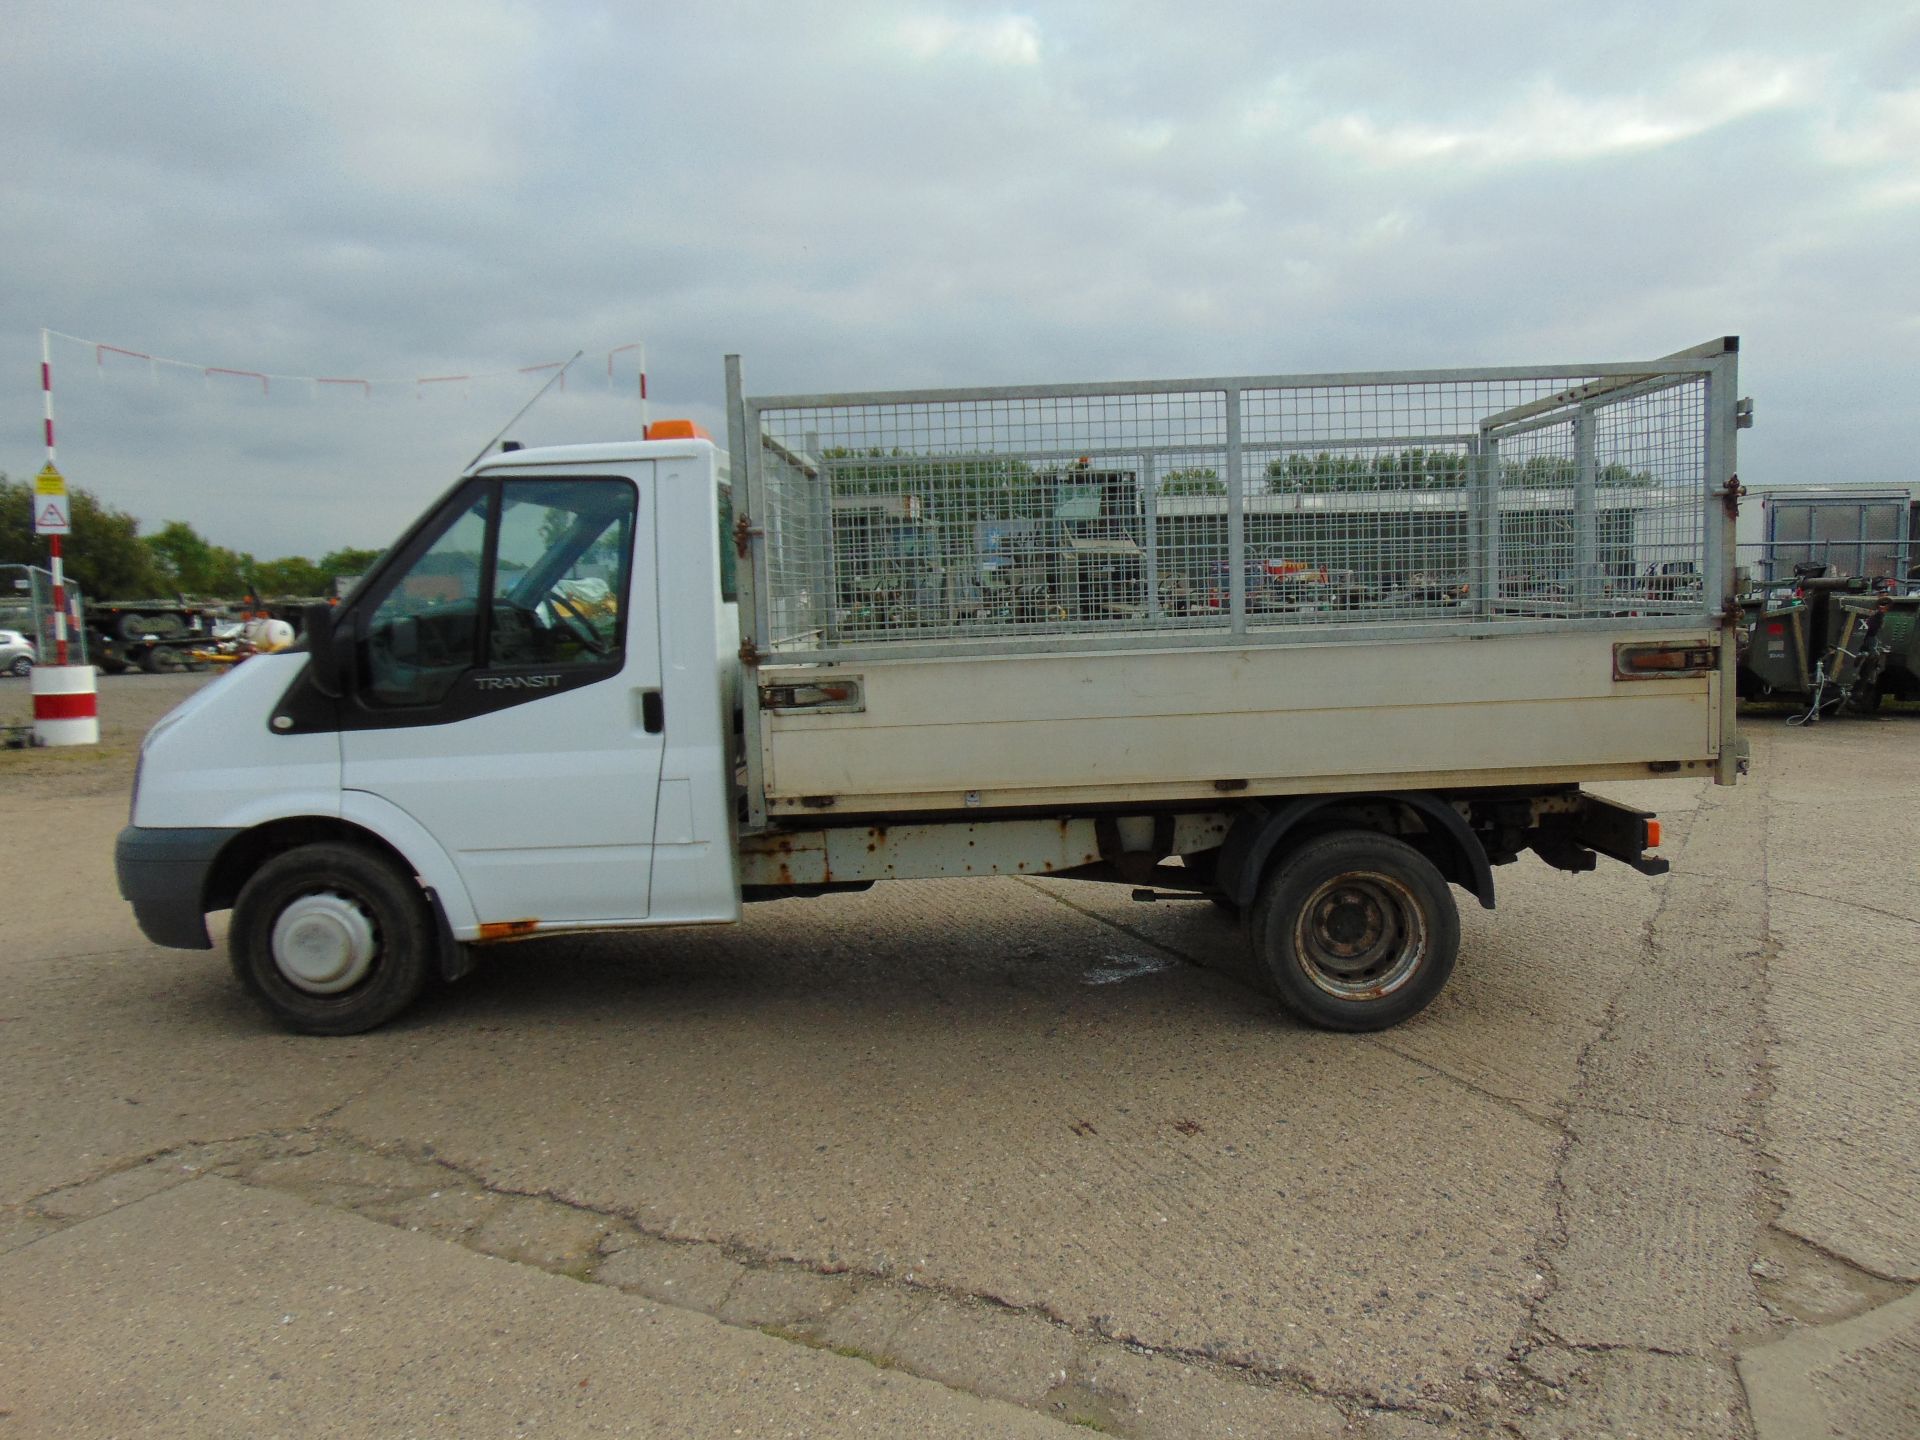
{"x":552,"y":380}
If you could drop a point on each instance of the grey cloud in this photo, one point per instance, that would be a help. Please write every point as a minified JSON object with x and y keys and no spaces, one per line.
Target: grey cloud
{"x":1067,"y":191}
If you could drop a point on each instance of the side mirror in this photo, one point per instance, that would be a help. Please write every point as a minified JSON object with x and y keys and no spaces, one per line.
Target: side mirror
{"x":323,"y":654}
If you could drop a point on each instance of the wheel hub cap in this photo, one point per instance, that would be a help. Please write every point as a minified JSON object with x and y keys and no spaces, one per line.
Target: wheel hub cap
{"x":1361,"y":937}
{"x":324,"y":944}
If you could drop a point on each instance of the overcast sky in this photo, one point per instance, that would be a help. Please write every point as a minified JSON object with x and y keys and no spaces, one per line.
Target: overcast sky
{"x":882,"y":195}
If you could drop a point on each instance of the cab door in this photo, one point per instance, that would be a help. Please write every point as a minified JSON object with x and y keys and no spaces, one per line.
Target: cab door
{"x":506,"y":693}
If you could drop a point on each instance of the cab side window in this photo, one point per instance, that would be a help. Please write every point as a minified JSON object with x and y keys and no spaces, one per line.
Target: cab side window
{"x":560,"y":573}
{"x":530,"y":573}
{"x":421,"y":637}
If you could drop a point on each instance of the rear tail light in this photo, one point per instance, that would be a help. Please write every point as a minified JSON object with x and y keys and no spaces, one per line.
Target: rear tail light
{"x":837,"y":696}
{"x":1662,"y":662}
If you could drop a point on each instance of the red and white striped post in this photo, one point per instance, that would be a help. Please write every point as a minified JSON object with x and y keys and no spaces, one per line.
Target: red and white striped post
{"x":643,"y":387}
{"x":639,"y":346}
{"x":65,"y":707}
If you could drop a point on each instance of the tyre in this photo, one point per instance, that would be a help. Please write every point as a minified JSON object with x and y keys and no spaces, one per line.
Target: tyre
{"x":113,"y":665}
{"x":1355,"y":931}
{"x":332,"y":939}
{"x":162,"y":660}
{"x":134,"y":626}
{"x":22,"y":665}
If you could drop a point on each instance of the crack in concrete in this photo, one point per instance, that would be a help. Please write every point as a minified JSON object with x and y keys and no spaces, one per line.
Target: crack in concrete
{"x":1742,"y":1135}
{"x":1850,"y":904}
{"x":1618,"y":1347}
{"x":1111,"y":923}
{"x":1554,"y":1238}
{"x":1827,"y":1252}
{"x":126,"y":1166}
{"x":1536,"y":1334}
{"x":1506,"y":1102}
{"x":1348,"y":1402}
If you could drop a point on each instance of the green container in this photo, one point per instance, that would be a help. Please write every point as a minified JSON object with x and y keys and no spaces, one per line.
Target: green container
{"x":1773,"y":659}
{"x":1900,"y":635}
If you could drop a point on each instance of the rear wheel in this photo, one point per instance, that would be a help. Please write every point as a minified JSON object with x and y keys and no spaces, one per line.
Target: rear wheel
{"x":1355,"y":931}
{"x":21,"y":666}
{"x":332,"y":938}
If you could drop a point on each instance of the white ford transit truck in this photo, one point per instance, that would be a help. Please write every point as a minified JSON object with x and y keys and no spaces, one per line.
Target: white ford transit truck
{"x":1320,"y":649}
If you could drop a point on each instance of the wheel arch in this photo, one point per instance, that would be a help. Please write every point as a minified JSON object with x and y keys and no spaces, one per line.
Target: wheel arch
{"x":1262,"y":834}
{"x":243,"y":855}
{"x":241,"y":858}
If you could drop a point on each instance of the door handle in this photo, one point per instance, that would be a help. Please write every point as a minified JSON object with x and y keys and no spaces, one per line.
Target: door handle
{"x":653,"y":712}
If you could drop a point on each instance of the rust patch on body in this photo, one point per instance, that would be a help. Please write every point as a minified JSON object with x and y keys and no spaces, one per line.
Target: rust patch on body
{"x":507,"y":929}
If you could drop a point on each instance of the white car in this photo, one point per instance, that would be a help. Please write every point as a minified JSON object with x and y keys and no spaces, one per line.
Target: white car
{"x":16,"y":653}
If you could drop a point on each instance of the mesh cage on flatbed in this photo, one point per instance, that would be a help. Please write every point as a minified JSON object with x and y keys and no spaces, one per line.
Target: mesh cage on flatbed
{"x":1239,"y":511}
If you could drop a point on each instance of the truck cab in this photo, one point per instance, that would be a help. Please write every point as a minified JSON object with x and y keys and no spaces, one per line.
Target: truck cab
{"x":526,"y":704}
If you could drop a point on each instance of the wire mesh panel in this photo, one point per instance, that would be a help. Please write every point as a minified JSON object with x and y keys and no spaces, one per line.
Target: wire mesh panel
{"x":26,"y":605}
{"x":1361,"y":500}
{"x":1258,"y":508}
{"x":1036,"y":515}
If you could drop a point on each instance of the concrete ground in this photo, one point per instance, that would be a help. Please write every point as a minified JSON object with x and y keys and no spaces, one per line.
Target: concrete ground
{"x":991,"y":1157}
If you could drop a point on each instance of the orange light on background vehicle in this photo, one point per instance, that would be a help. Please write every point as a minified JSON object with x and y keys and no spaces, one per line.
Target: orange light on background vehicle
{"x":1653,"y":834}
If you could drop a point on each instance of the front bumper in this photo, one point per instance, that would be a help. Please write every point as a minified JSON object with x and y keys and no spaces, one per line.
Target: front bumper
{"x":163,"y":875}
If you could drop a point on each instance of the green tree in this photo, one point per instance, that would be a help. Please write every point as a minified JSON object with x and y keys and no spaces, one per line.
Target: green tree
{"x":1322,"y":473}
{"x":1548,"y":472}
{"x":190,"y":564}
{"x":1300,"y":473}
{"x":346,"y":562}
{"x":1192,"y":482}
{"x":292,"y":575}
{"x":104,"y":555}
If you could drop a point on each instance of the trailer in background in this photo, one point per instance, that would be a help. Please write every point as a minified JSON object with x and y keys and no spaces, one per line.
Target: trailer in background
{"x":1869,"y":531}
{"x":157,"y":636}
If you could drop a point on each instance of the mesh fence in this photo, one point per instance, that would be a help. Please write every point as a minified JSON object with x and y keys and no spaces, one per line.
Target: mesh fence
{"x":1248,"y":507}
{"x":26,"y":606}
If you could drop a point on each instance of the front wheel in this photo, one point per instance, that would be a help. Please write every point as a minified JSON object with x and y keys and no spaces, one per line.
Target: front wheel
{"x":21,"y":666}
{"x":333,"y":939}
{"x":1355,"y":931}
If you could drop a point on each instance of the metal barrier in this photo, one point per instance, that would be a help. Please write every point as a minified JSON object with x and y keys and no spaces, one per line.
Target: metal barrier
{"x":1246,"y":510}
{"x":26,"y":604}
{"x":1772,"y":562}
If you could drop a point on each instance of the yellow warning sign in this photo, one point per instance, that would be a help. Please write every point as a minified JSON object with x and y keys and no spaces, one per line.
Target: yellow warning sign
{"x":51,"y":515}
